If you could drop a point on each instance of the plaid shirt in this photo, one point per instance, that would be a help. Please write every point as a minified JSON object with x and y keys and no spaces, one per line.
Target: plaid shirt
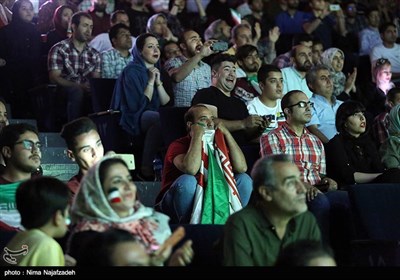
{"x":75,"y":67}
{"x":113,"y":63}
{"x":199,"y":78}
{"x":307,"y":151}
{"x":380,"y":127}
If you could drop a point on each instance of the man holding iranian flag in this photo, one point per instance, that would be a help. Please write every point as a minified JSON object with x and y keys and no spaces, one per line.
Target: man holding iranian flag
{"x":204,"y":179}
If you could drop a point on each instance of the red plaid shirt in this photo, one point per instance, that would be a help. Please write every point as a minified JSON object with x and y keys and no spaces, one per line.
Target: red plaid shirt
{"x":307,"y":151}
{"x":75,"y":67}
{"x":380,"y":127}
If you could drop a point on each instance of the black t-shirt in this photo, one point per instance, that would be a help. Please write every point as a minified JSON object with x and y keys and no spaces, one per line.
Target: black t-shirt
{"x":229,"y":108}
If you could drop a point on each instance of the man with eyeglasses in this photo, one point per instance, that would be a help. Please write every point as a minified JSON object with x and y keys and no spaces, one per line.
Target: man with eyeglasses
{"x":20,"y":148}
{"x":306,"y":151}
{"x":322,"y":123}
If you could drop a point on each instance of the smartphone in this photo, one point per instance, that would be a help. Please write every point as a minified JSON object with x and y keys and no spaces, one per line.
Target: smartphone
{"x":334,"y":7}
{"x":219,"y":46}
{"x":129,"y":159}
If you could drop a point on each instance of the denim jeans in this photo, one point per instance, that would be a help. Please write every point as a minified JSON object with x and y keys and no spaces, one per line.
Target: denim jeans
{"x":178,"y":201}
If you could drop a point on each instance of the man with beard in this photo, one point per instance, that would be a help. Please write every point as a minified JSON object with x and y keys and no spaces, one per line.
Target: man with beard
{"x":323,"y":119}
{"x":20,"y":148}
{"x":72,"y":63}
{"x":294,"y":77}
{"x":249,"y":61}
{"x":232,"y":112}
{"x":101,"y":20}
{"x":3,"y":114}
{"x":188,"y":72}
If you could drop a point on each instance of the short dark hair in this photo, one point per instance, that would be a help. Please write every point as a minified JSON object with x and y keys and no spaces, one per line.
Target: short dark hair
{"x":386,"y":25}
{"x":265,"y":70}
{"x":181,"y":39}
{"x":141,"y":39}
{"x":114,"y":31}
{"x":219,"y":58}
{"x":345,"y":110}
{"x":11,"y":133}
{"x":98,"y":250}
{"x":104,"y":165}
{"x":243,"y":51}
{"x":114,"y":15}
{"x":287,"y":99}
{"x":39,"y":199}
{"x":75,"y":128}
{"x":76,"y":18}
{"x":300,"y":253}
{"x":391,"y":95}
{"x":301,"y":37}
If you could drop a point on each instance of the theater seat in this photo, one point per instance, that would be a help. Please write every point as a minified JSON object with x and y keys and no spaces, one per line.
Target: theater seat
{"x":376,"y":218}
{"x":101,"y":93}
{"x":172,"y":123}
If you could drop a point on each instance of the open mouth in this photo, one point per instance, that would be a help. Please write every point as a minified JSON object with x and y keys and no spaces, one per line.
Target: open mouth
{"x":363,"y":124}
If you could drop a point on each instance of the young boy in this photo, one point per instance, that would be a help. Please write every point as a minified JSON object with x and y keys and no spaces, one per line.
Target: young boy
{"x":43,"y":205}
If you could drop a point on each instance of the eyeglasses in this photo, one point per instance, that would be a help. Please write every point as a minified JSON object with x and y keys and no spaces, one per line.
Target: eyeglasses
{"x":28,"y":144}
{"x":302,"y":104}
{"x":382,"y":61}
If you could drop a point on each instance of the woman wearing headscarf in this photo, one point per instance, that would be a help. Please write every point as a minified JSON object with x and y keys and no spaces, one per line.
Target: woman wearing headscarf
{"x":107,"y":199}
{"x":138,"y":94}
{"x":343,"y":88}
{"x":20,"y":48}
{"x":158,"y":26}
{"x":390,"y":149}
{"x":62,"y":17}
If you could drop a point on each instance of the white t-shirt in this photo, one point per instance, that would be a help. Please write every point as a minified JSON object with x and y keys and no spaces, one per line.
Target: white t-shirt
{"x":256,"y":107}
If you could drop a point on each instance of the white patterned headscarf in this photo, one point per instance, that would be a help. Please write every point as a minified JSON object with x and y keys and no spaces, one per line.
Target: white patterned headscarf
{"x":338,"y":78}
{"x":91,"y":211}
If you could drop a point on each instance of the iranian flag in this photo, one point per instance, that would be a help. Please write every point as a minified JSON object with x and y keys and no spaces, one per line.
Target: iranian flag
{"x":216,"y":193}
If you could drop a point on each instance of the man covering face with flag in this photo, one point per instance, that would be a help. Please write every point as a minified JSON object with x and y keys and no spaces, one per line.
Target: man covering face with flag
{"x":204,"y":173}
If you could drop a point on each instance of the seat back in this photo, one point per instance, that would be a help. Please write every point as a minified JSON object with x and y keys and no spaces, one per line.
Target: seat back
{"x":376,"y":209}
{"x":172,"y":123}
{"x":206,"y":243}
{"x":101,"y":93}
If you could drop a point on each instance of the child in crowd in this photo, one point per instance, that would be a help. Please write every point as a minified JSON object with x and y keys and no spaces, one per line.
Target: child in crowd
{"x":43,"y":205}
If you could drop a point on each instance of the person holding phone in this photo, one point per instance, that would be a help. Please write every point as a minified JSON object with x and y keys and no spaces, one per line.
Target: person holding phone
{"x":322,"y":22}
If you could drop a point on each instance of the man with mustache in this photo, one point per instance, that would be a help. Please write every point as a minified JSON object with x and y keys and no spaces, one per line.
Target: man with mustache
{"x":20,"y":148}
{"x":72,"y":63}
{"x":101,"y":20}
{"x":322,"y":123}
{"x":294,"y":77}
{"x":308,"y":153}
{"x":275,"y":217}
{"x":188,"y":72}
{"x":249,"y":61}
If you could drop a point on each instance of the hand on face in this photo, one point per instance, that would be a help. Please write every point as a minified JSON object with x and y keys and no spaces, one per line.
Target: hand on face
{"x":206,"y":48}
